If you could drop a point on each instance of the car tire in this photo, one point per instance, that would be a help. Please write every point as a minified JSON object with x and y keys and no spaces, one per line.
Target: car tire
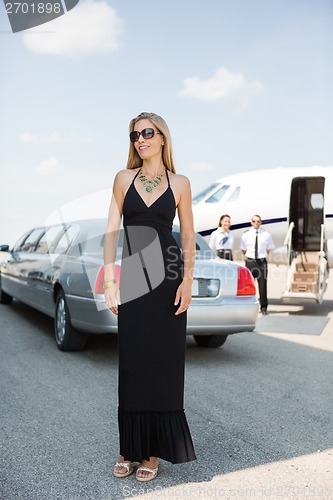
{"x":4,"y":297}
{"x":67,"y":338}
{"x":210,"y":340}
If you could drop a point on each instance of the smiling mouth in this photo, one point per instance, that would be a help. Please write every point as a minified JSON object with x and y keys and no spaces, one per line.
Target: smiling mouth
{"x":143,"y":147}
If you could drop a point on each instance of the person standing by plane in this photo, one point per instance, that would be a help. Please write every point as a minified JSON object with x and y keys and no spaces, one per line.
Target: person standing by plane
{"x":221,"y":240}
{"x":256,"y":243}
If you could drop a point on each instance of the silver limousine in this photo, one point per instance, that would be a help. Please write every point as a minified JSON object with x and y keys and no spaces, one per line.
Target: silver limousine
{"x":59,"y":271}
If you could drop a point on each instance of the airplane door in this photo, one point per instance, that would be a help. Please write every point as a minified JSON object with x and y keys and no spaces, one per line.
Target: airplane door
{"x":306,"y":211}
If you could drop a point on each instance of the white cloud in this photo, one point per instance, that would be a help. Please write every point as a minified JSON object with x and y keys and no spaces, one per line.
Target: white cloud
{"x":89,"y":28}
{"x":223,"y":86}
{"x":55,"y":138}
{"x":29,"y":138}
{"x":49,"y":167}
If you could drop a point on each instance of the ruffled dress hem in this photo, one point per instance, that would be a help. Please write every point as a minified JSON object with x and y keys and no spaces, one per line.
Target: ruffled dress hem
{"x":163,"y":434}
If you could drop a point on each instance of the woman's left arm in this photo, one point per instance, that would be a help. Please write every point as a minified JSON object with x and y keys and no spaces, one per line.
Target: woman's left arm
{"x":187,"y":239}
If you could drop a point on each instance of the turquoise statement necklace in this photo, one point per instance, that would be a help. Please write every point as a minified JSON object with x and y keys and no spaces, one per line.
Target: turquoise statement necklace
{"x":149,"y":184}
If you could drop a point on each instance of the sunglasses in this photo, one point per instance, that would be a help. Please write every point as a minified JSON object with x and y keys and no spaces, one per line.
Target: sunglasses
{"x":147,"y":133}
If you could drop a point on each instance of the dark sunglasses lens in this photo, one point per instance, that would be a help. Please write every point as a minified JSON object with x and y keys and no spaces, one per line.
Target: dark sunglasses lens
{"x":134,"y":136}
{"x":148,"y":133}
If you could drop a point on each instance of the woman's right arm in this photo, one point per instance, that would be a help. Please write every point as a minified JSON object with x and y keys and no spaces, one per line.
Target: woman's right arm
{"x":111,"y":293}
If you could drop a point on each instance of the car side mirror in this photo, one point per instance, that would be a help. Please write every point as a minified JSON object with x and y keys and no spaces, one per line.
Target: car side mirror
{"x":4,"y":248}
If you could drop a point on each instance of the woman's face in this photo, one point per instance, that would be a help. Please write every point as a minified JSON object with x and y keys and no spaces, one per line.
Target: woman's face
{"x":225,"y":223}
{"x":148,"y":148}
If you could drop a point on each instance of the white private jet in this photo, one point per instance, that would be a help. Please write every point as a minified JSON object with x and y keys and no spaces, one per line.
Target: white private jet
{"x":296,"y":207}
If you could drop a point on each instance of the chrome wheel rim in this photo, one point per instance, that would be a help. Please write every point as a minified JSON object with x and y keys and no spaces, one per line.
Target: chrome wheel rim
{"x":60,"y":320}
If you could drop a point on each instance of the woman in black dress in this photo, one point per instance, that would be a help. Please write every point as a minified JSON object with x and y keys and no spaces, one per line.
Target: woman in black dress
{"x":151,"y":301}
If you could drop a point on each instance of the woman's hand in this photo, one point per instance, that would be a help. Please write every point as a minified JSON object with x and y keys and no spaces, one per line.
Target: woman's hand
{"x":184,"y":296}
{"x":112,"y":298}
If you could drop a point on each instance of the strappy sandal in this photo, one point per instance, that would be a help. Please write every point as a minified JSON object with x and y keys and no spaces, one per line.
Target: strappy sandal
{"x":153,"y":473}
{"x":127,"y":465}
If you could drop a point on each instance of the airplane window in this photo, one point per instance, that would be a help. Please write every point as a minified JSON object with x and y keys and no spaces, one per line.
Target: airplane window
{"x":204,"y":193}
{"x":218,"y":195}
{"x":235,"y":195}
{"x":317,"y":201}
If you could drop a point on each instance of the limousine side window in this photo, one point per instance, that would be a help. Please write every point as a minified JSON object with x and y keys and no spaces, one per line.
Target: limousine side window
{"x":30,"y":242}
{"x":201,"y":247}
{"x":66,"y":239}
{"x":45,"y":243}
{"x":18,"y":245}
{"x":93,"y":246}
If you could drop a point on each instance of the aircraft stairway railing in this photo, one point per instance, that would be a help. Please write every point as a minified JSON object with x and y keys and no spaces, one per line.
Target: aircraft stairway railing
{"x":323,"y":265}
{"x":290,"y":266}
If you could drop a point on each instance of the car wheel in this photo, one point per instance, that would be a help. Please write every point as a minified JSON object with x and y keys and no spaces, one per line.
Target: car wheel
{"x":67,"y":338}
{"x":210,"y":340}
{"x":4,"y":297}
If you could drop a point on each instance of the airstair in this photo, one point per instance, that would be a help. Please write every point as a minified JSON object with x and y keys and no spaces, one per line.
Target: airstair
{"x":307,"y":275}
{"x":305,"y":240}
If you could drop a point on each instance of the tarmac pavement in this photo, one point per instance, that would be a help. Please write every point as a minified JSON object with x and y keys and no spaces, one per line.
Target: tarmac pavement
{"x":308,"y":476}
{"x":259,"y":408}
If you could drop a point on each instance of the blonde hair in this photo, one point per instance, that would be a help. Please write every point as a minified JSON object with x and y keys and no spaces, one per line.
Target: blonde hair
{"x":134,"y":160}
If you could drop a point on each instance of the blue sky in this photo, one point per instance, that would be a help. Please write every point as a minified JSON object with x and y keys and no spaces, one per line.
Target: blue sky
{"x":242,"y":84}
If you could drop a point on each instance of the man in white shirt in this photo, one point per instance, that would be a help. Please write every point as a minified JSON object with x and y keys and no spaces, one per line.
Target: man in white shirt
{"x":256,"y":243}
{"x":221,"y":240}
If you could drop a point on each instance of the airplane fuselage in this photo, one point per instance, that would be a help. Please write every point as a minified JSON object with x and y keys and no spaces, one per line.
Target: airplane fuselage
{"x":263,"y":192}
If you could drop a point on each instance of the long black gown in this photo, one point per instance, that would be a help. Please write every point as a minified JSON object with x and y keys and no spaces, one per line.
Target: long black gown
{"x":151,"y":337}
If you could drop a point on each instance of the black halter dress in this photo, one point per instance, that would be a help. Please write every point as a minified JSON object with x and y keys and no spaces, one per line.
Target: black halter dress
{"x":151,"y":338}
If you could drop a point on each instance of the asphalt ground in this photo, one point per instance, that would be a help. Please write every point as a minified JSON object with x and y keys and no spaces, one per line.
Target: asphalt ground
{"x":259,"y":408}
